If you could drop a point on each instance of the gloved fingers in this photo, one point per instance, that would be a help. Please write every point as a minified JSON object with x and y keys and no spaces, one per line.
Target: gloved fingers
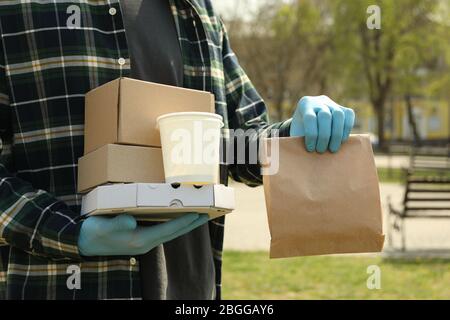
{"x":150,"y":235}
{"x":324,"y":119}
{"x":309,"y":119}
{"x":120,"y":223}
{"x":297,"y":129}
{"x":337,"y":128}
{"x":202,"y":219}
{"x":311,"y":131}
{"x":329,"y":102}
{"x":349,"y":122}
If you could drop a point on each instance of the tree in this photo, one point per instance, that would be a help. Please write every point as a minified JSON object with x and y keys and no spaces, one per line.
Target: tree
{"x":406,"y":28}
{"x":282,"y":49}
{"x":308,"y":47}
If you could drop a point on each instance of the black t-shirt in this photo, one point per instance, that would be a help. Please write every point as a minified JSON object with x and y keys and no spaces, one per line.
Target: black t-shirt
{"x":153,"y":41}
{"x":182,"y":268}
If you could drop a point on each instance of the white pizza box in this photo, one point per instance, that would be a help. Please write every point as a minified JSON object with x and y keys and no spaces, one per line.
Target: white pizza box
{"x":158,"y":201}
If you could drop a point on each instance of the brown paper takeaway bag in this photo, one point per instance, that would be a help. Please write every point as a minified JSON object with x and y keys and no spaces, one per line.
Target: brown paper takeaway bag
{"x":324,"y":203}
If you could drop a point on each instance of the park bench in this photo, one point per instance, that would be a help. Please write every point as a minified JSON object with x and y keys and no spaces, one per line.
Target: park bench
{"x":427,"y":193}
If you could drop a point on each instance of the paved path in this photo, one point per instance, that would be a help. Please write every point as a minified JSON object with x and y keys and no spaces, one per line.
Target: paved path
{"x":247,"y":228}
{"x":384,"y":161}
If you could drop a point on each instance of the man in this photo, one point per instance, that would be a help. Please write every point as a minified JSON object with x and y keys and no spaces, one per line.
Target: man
{"x":52,"y":53}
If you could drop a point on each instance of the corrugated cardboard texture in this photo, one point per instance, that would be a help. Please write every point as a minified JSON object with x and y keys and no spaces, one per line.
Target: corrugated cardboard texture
{"x":120,"y":164}
{"x":324,"y":203}
{"x":139,"y":104}
{"x":101,"y":116}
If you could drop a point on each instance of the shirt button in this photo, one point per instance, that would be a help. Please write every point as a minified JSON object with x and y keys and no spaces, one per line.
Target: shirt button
{"x":112,"y":11}
{"x":121,"y":61}
{"x":133,"y":261}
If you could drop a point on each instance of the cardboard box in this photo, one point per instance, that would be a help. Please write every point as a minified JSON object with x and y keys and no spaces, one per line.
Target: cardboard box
{"x":124,"y":111}
{"x":115,"y":163}
{"x":158,"y":202}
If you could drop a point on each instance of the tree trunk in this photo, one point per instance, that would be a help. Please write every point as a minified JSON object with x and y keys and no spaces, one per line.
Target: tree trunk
{"x":379,"y":109}
{"x":412,"y":120}
{"x":380,"y":129}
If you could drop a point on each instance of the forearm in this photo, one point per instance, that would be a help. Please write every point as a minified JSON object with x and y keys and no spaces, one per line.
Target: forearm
{"x":35,"y":221}
{"x":243,"y":150}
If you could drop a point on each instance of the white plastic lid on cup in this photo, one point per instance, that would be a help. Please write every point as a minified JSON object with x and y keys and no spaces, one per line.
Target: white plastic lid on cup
{"x":200,"y":115}
{"x":200,"y":158}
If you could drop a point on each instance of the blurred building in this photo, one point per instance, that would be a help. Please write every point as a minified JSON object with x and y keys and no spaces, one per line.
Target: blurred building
{"x":432,"y":118}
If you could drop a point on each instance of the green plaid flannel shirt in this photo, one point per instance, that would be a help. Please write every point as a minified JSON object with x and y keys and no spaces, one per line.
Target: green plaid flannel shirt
{"x":46,"y":67}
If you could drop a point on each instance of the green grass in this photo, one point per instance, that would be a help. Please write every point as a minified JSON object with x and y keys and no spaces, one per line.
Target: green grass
{"x":391,"y":175}
{"x":251,"y":275}
{"x":397,"y":175}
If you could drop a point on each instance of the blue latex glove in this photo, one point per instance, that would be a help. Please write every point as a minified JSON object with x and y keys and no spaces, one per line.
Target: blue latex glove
{"x":323,"y":123}
{"x":122,"y":236}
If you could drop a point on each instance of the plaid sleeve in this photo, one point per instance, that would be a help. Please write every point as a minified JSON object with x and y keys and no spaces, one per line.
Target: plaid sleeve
{"x":32,"y":220}
{"x":246,"y":111}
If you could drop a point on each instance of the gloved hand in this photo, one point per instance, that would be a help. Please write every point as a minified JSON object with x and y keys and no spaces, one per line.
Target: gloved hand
{"x":121,"y":235}
{"x":322,"y":122}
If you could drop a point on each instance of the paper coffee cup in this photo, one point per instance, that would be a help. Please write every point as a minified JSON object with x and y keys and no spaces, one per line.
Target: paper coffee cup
{"x":190,"y":144}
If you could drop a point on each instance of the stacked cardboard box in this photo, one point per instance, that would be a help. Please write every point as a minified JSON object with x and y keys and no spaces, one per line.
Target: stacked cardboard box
{"x":122,"y":167}
{"x":122,"y":142}
{"x":158,"y":201}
